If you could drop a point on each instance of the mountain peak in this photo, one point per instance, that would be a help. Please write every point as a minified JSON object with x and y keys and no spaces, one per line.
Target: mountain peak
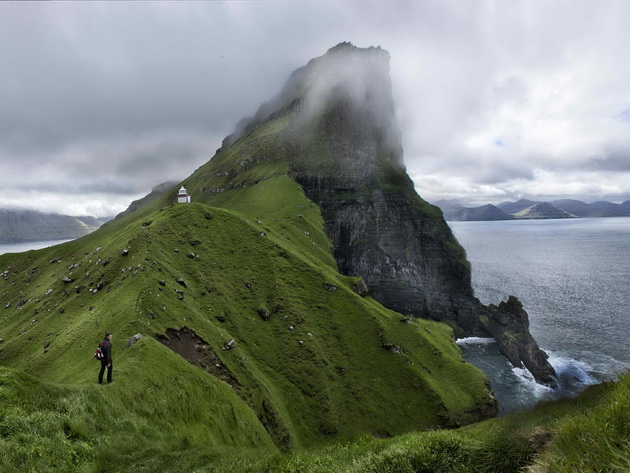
{"x":359,"y":76}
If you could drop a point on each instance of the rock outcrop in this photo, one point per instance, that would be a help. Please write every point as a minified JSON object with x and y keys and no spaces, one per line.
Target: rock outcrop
{"x":508,"y":323}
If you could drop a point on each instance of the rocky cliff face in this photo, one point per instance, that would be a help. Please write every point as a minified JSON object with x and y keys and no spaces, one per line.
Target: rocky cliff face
{"x":343,"y":146}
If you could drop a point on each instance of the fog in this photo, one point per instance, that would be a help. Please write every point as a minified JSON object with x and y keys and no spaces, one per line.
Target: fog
{"x":497,"y":100}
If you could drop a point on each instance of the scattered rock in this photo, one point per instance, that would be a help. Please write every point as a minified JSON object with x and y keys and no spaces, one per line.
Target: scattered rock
{"x":78,"y":289}
{"x":49,"y":291}
{"x":47,"y":344}
{"x":407,"y":320}
{"x":195,"y":242}
{"x":330,"y":287}
{"x":181,"y":282}
{"x":263,"y":234}
{"x":162,"y":282}
{"x":151,"y":315}
{"x":264,"y":314}
{"x":105,"y":262}
{"x":164,"y":307}
{"x":176,"y":250}
{"x":55,"y":260}
{"x":248,"y":285}
{"x":395,"y":349}
{"x":191,"y":255}
{"x":8,"y":305}
{"x":146,"y":224}
{"x":1,"y":340}
{"x":67,"y":280}
{"x":220,"y":318}
{"x":208,"y":216}
{"x":180,"y":294}
{"x":229,"y":345}
{"x":361,"y":288}
{"x":34,"y":270}
{"x":124,"y":252}
{"x":136,"y":338}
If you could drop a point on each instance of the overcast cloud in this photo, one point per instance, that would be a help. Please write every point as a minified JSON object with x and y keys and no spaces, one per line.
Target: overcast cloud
{"x":497,"y":100}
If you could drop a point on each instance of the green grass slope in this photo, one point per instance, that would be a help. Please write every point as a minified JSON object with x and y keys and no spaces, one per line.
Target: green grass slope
{"x":327,"y":364}
{"x":588,"y":434}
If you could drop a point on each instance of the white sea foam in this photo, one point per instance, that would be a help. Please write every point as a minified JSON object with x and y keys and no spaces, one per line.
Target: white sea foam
{"x":475,"y":341}
{"x":573,"y":375}
{"x":529,"y":384}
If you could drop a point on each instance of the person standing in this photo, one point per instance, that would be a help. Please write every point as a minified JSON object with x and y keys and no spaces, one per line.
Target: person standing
{"x":106,"y":361}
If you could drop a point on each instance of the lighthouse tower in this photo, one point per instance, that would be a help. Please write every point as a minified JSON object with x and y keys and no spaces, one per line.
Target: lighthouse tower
{"x":182,"y":196}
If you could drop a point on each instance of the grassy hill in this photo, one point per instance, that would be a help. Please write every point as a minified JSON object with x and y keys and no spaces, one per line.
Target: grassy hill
{"x":312,"y":360}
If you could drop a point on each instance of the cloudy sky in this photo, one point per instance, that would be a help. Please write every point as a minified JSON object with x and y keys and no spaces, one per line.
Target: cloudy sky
{"x":497,"y":100}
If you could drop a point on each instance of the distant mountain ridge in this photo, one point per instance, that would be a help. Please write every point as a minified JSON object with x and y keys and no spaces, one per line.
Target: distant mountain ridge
{"x":543,"y":210}
{"x":530,"y":209}
{"x":30,"y":225}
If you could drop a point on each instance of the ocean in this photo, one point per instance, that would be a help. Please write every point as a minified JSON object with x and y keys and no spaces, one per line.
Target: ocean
{"x":29,"y":245}
{"x":573,"y":278}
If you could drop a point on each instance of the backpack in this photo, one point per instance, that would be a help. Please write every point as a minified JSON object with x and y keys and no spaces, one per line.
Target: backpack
{"x":99,"y":355}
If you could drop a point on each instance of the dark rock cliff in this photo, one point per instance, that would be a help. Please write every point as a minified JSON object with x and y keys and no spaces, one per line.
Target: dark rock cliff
{"x":344,"y":147}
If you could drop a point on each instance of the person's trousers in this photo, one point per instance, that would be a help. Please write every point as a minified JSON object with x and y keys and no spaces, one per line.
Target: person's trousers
{"x":109,"y":371}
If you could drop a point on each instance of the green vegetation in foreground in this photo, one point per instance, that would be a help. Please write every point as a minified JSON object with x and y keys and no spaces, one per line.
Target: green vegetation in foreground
{"x":71,"y":428}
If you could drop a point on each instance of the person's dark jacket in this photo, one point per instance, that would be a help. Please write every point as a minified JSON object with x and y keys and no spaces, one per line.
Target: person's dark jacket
{"x":106,"y":349}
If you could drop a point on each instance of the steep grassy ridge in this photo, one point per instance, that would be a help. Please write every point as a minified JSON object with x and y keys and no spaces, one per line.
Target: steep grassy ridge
{"x":326,"y":364}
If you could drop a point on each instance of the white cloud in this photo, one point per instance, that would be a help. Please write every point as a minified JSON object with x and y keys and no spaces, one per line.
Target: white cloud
{"x":495,"y":99}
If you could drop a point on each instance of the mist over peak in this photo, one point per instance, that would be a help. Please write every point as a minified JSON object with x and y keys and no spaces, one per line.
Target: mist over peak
{"x":356,"y":77}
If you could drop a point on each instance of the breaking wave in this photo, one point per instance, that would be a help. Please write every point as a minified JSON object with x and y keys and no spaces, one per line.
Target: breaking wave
{"x":474,"y":341}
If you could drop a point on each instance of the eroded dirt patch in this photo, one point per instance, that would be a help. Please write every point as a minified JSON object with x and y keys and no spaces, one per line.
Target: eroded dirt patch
{"x":197,"y":351}
{"x":190,"y":346}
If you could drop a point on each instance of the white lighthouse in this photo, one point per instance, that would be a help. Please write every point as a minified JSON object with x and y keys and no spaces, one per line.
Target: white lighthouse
{"x":182,"y":196}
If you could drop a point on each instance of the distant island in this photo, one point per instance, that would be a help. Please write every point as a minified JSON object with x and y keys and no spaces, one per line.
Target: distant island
{"x":529,"y":209}
{"x":29,"y":225}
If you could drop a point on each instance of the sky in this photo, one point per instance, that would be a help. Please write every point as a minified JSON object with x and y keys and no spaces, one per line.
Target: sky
{"x":497,"y":100}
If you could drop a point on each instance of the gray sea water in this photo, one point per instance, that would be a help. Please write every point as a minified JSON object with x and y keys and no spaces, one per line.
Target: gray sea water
{"x":29,"y":245}
{"x":573,"y":277}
